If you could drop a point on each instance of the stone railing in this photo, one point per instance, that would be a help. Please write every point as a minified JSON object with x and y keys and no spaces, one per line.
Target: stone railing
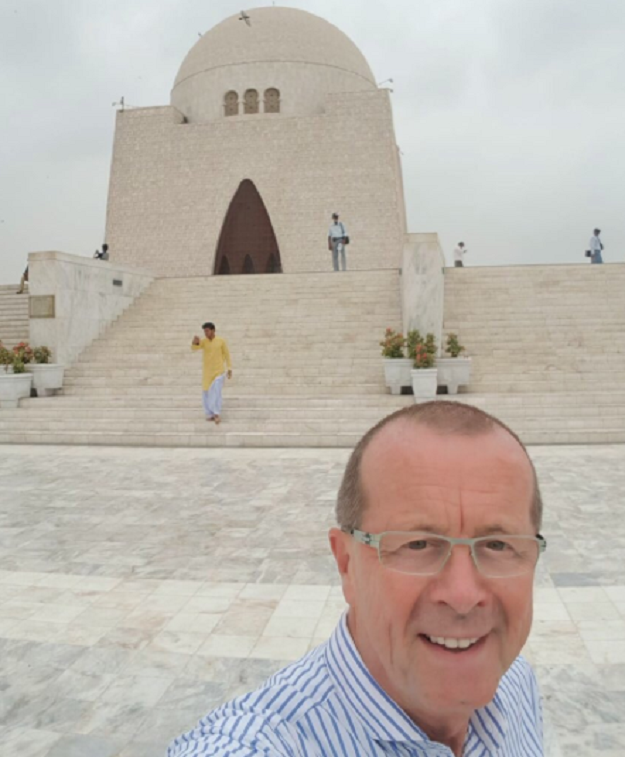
{"x":73,"y":299}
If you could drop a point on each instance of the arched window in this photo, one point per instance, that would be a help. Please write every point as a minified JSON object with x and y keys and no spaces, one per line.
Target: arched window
{"x":272,"y":100}
{"x":248,"y":265}
{"x":231,"y":103}
{"x":250,"y":103}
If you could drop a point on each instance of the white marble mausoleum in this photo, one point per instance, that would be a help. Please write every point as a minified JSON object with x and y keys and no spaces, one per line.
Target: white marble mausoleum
{"x":275,"y":122}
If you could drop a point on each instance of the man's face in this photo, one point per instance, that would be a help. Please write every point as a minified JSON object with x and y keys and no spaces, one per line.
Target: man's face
{"x":417,"y":479}
{"x":335,"y":219}
{"x":209,"y":333}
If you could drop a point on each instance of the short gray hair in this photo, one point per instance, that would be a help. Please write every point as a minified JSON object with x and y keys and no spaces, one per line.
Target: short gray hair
{"x":440,"y":415}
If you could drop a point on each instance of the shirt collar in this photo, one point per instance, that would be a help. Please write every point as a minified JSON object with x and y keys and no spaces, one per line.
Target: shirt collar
{"x":382,"y":718}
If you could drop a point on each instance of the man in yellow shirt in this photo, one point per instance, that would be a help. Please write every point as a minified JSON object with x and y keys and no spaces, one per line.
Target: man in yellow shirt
{"x":216,"y":354}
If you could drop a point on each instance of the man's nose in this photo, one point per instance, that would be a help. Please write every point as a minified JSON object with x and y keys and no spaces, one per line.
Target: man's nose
{"x":459,"y":584}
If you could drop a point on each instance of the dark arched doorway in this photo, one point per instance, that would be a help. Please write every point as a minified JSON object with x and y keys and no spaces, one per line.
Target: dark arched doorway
{"x":247,"y":243}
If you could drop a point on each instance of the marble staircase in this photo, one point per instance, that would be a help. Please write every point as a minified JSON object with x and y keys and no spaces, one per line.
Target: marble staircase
{"x":546,"y":342}
{"x":547,"y":347}
{"x":13,"y":315}
{"x":307,"y":368}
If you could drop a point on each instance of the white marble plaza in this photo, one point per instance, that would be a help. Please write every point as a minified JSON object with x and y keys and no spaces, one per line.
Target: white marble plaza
{"x":141,"y":587}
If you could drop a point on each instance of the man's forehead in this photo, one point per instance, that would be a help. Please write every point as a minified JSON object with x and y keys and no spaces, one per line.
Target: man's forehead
{"x":412,"y":474}
{"x":404,"y":444}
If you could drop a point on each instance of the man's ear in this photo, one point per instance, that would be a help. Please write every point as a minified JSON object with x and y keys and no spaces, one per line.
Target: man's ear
{"x":341,"y":544}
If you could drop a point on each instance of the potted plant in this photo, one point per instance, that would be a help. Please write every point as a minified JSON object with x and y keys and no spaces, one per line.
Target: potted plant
{"x":424,"y":371}
{"x":47,"y":376}
{"x":6,"y":360}
{"x":15,"y":383}
{"x":454,"y":371}
{"x":396,"y":365}
{"x":412,"y":340}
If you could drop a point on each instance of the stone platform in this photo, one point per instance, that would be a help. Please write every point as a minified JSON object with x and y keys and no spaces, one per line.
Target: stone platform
{"x":545,"y":343}
{"x":141,"y":587}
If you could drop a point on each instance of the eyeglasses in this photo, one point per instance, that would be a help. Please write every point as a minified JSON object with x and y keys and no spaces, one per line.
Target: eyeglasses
{"x":422,"y":554}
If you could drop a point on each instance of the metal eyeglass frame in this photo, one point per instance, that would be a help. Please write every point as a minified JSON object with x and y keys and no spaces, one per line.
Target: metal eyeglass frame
{"x":373,"y":540}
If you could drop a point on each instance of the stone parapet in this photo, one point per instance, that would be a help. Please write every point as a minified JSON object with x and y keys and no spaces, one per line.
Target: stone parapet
{"x":88,"y":295}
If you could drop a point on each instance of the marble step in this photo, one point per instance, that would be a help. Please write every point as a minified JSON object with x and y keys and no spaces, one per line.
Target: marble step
{"x":13,"y":331}
{"x":597,"y":397}
{"x":167,"y":401}
{"x":248,"y":414}
{"x":291,"y":389}
{"x":265,"y":378}
{"x":553,"y":344}
{"x":318,"y":355}
{"x":201,"y":426}
{"x":250,"y":370}
{"x":288,"y":328}
{"x":561,"y":272}
{"x":275,"y":344}
{"x":491,"y":329}
{"x":220,"y":438}
{"x":582,"y":404}
{"x":223,"y":438}
{"x":10,"y":315}
{"x":534,"y":327}
{"x":483,"y":367}
{"x":193,"y":412}
{"x":293,"y":386}
{"x":533,"y":387}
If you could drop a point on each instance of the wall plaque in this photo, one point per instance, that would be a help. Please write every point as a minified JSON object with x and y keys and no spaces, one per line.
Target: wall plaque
{"x":41,"y":306}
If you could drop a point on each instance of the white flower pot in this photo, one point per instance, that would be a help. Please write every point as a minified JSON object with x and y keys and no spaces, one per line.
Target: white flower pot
{"x":453,"y":372}
{"x":397,"y":373}
{"x":14,"y":387}
{"x":423,"y":383}
{"x":47,"y":377}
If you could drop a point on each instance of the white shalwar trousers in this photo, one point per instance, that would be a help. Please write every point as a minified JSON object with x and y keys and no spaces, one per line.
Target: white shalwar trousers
{"x":212,"y":399}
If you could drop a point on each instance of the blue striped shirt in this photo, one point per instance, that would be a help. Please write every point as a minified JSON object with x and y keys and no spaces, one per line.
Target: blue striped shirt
{"x":328,"y":703}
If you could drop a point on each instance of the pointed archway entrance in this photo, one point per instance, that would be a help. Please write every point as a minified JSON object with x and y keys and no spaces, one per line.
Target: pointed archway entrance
{"x":247,"y":243}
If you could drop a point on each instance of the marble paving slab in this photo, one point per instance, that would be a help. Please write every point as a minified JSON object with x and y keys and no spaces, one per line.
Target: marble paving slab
{"x":139,"y":588}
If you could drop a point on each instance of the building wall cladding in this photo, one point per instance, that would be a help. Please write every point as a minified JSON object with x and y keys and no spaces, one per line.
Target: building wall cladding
{"x":172,"y":182}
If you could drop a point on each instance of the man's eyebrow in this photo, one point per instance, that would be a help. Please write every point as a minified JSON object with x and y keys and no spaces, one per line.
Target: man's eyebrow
{"x":496,"y":529}
{"x":429,"y":528}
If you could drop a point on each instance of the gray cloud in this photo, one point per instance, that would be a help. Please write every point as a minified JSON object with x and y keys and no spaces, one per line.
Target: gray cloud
{"x":509,"y":113}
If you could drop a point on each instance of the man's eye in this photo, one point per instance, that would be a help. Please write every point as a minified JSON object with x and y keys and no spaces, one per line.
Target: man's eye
{"x":417,"y":544}
{"x":497,"y":546}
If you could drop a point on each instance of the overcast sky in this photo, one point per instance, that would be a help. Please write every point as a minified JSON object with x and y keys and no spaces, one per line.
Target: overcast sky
{"x":510,"y":114}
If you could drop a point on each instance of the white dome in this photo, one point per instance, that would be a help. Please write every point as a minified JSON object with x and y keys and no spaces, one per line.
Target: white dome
{"x":301,"y":55}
